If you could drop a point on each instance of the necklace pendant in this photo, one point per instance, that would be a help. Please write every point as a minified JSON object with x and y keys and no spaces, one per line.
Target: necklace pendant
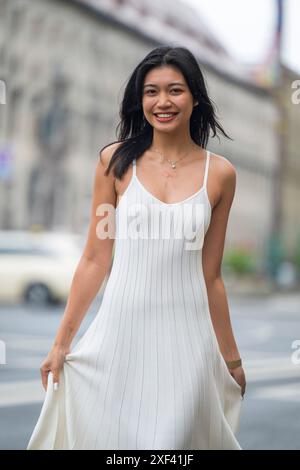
{"x":173,"y":164}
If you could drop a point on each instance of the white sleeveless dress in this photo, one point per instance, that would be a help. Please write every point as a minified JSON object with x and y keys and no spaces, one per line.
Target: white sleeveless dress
{"x":148,"y":372}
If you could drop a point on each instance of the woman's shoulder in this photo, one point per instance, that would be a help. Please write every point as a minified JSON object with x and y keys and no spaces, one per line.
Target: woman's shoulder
{"x":223,"y":176}
{"x":222,"y":166}
{"x":106,"y":152}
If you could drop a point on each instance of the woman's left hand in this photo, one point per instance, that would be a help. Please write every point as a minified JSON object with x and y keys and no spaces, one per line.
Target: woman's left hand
{"x":239,"y":376}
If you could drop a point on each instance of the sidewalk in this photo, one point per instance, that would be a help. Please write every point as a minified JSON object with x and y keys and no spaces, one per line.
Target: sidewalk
{"x":258,"y":286}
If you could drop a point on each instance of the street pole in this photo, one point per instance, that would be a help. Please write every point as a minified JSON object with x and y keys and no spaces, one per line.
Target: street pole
{"x":275,"y":249}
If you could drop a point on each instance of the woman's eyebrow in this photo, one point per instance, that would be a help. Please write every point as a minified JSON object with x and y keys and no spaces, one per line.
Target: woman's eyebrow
{"x":170,"y":84}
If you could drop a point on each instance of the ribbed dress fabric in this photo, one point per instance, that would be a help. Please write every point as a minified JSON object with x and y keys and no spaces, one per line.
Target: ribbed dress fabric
{"x":148,"y":372}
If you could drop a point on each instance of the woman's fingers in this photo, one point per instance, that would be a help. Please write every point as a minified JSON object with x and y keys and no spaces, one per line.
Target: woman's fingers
{"x":44,"y":375}
{"x":55,"y":379}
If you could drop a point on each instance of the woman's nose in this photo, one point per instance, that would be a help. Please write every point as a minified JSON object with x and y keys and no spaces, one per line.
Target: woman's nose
{"x":163,"y":100}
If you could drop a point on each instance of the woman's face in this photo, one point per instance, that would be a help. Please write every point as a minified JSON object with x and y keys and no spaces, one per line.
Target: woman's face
{"x":166,"y":92}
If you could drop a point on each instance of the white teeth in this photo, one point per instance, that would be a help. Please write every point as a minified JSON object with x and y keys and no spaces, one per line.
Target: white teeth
{"x":165,"y":115}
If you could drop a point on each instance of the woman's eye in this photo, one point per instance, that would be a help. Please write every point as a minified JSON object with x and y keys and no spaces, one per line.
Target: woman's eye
{"x":177,"y":90}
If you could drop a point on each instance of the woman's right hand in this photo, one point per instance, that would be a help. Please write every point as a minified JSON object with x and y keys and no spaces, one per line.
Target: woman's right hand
{"x":53,"y":363}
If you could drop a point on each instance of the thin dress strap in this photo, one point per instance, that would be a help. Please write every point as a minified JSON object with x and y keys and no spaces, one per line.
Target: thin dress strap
{"x":206,"y":168}
{"x":134,"y":167}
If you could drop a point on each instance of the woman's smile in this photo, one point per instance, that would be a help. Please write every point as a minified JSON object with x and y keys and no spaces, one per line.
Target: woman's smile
{"x":165,"y":117}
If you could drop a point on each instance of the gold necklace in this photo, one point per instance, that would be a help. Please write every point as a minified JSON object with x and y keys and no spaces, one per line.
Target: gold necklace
{"x":172,"y":162}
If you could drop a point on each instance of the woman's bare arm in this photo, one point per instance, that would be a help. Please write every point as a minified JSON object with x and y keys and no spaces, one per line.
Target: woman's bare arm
{"x":212,"y":255}
{"x":95,"y":260}
{"x":212,"y":259}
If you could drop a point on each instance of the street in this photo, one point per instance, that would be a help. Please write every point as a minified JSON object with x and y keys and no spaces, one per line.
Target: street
{"x":265,"y":329}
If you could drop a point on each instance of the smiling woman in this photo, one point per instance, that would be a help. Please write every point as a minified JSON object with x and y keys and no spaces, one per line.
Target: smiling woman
{"x":159,"y":367}
{"x":175,"y":88}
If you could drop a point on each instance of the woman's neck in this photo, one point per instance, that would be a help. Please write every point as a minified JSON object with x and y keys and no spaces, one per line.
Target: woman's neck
{"x":169,"y":144}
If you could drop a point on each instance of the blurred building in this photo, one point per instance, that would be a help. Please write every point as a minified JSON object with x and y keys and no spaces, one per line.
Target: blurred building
{"x":65,"y":64}
{"x":249,"y":115}
{"x":290,"y":148}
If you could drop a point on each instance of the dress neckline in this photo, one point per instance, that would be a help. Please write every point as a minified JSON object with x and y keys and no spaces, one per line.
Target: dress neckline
{"x":168,"y":203}
{"x":203,"y":188}
{"x":188,"y":198}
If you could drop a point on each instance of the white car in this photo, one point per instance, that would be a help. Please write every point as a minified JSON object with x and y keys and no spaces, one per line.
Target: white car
{"x":37,"y":267}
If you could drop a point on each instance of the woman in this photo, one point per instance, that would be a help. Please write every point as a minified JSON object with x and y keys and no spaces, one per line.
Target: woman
{"x":159,"y":367}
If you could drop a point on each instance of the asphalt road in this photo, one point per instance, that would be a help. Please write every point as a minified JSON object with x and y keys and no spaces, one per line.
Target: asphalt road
{"x":265,"y":329}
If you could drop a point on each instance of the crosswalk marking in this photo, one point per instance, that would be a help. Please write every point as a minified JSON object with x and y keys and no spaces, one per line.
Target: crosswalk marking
{"x":290,"y":392}
{"x":257,"y":371}
{"x":21,"y":393}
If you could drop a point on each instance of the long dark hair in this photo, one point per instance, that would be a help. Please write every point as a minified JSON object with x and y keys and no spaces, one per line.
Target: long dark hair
{"x":135,"y":133}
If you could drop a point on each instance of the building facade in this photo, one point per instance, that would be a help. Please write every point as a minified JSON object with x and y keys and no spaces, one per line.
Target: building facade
{"x":65,"y":65}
